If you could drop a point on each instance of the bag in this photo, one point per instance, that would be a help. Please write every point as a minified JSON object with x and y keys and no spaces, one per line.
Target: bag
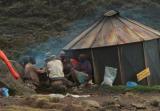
{"x":4,"y":92}
{"x":81,"y":76}
{"x":109,"y":76}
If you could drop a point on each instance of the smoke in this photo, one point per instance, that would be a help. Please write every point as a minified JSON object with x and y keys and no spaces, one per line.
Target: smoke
{"x":55,"y":44}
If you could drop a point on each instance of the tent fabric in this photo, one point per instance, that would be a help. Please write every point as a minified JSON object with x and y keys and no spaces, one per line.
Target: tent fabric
{"x":112,"y":30}
{"x":76,"y":53}
{"x":132,"y":62}
{"x":152,"y":61}
{"x":118,"y":42}
{"x":103,"y":57}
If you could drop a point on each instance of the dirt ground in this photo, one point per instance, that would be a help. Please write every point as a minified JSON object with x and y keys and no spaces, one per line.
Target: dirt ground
{"x":98,"y":101}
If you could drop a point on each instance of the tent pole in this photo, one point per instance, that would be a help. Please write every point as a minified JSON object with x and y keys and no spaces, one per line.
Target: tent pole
{"x":145,"y":62}
{"x":120,"y":67}
{"x":94,"y":67}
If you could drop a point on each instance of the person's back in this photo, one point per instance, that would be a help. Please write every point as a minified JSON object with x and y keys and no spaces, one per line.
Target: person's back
{"x":55,"y":68}
{"x":85,"y":66}
{"x":31,"y":73}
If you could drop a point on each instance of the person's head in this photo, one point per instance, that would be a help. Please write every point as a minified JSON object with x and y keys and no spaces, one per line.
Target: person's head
{"x":50,"y":58}
{"x":74,"y":61}
{"x":62,"y":55}
{"x":27,"y":59}
{"x":82,"y":57}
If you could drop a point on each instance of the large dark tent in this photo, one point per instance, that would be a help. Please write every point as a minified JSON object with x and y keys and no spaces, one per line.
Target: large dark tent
{"x":121,"y":43}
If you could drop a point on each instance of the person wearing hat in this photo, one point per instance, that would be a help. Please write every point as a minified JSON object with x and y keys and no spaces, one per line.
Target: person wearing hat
{"x":54,"y":67}
{"x":55,"y":72}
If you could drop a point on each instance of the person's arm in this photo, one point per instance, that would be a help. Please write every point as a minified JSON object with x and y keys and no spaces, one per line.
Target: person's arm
{"x":40,"y":71}
{"x":89,"y":71}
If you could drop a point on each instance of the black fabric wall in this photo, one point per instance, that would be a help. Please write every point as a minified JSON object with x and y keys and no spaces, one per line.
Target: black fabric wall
{"x":132,"y":61}
{"x":107,"y":56}
{"x":76,"y":53}
{"x":152,"y":54}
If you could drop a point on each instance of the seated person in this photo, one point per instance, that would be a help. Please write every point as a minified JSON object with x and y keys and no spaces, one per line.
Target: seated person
{"x":85,"y":66}
{"x":31,"y":73}
{"x":73,"y":71}
{"x":54,"y":68}
{"x":77,"y":77}
{"x":65,"y":62}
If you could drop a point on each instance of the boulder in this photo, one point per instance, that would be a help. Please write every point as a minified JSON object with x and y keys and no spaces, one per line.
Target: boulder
{"x":90,"y":103}
{"x":16,"y":86}
{"x":155,"y":103}
{"x":139,"y":106}
{"x":73,"y":107}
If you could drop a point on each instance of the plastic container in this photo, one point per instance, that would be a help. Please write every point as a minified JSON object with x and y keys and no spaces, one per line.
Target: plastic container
{"x":5,"y":92}
{"x":131,"y":84}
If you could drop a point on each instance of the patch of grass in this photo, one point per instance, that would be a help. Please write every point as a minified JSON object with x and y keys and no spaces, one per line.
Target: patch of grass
{"x":145,"y":88}
{"x":121,"y":89}
{"x":137,"y":88}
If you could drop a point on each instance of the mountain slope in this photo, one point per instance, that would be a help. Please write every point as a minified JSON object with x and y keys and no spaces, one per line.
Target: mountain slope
{"x":26,"y":23}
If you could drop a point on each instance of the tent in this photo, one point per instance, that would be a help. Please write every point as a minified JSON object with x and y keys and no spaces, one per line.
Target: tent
{"x":121,"y":43}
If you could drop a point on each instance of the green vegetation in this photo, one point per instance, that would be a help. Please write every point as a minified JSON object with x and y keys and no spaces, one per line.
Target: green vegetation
{"x":25,"y":22}
{"x":118,"y":89}
{"x":137,"y":88}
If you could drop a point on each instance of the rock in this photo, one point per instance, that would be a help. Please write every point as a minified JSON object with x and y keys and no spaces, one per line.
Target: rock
{"x":129,"y":94}
{"x":53,"y":110}
{"x":7,"y":80}
{"x":155,"y":103}
{"x":73,"y":107}
{"x":138,"y":106}
{"x":42,"y":103}
{"x":108,"y":103}
{"x":117,"y":105}
{"x":90,"y":109}
{"x":56,"y":106}
{"x":116,"y":98}
{"x":54,"y":99}
{"x":90,"y":103}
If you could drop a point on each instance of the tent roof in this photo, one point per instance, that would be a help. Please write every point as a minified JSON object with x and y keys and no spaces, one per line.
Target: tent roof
{"x":112,"y":29}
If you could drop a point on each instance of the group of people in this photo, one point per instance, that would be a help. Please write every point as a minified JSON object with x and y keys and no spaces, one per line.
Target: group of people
{"x":60,"y":71}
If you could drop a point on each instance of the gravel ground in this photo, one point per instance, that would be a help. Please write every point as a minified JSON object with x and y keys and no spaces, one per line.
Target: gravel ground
{"x":126,"y":101}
